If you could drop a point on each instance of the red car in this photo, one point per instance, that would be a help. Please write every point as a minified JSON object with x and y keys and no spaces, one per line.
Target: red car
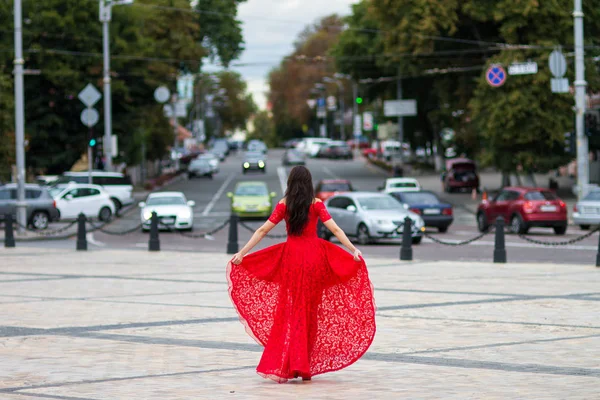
{"x":328,"y":187}
{"x":461,"y":174}
{"x":524,"y":208}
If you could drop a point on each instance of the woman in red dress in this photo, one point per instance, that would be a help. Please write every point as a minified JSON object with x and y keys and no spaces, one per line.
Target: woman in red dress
{"x":308,"y":302}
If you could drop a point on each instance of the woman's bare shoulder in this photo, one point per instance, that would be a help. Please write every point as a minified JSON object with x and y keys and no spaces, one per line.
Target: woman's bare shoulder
{"x":282,"y":201}
{"x":317,"y":200}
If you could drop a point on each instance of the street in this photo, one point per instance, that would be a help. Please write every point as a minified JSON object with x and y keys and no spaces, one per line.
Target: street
{"x":212,"y":209}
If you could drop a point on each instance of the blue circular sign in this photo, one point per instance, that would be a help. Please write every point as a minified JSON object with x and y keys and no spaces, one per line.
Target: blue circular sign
{"x":495,"y":76}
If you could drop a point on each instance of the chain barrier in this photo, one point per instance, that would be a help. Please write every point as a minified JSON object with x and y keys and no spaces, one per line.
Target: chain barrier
{"x":46,"y":233}
{"x":203,"y":235}
{"x":461,"y":243}
{"x":113,"y":233}
{"x":562,"y":243}
{"x":251,"y":229}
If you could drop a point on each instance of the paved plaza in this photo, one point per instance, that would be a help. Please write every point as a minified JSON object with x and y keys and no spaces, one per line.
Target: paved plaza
{"x":139,"y":325}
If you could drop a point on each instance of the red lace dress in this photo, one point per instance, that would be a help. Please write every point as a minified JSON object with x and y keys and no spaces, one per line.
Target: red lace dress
{"x":306,"y":301}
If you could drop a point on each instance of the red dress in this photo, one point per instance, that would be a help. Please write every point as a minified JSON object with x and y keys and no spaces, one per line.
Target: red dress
{"x":306,"y":301}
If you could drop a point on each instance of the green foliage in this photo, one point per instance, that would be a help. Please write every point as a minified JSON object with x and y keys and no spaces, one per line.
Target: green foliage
{"x":264,"y":129}
{"x":238,"y":105}
{"x":7,"y":145}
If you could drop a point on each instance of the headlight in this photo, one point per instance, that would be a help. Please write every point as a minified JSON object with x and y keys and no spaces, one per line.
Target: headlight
{"x":246,"y":165}
{"x":186,"y":214}
{"x":261,"y":164}
{"x":147,"y":215}
{"x":236,"y":204}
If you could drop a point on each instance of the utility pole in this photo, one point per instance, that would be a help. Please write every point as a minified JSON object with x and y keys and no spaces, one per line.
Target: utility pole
{"x":399,"y":97}
{"x":354,"y":115}
{"x":580,"y":88}
{"x":19,"y":117}
{"x":105,"y":16}
{"x":342,"y":110}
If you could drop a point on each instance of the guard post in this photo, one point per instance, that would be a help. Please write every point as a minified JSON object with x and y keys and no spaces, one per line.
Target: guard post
{"x":232,"y":242}
{"x":154,"y":242}
{"x":406,"y":253}
{"x":81,"y":233}
{"x":499,"y":247}
{"x":9,"y":233}
{"x":598,"y":253}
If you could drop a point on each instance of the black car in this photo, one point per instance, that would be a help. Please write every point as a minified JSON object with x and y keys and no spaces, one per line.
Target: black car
{"x":41,"y":208}
{"x":254,"y":161}
{"x":293,"y":157}
{"x":434,"y":212}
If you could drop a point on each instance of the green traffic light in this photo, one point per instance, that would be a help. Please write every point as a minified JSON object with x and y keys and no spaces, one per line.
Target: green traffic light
{"x":359,"y":100}
{"x":92,"y":142}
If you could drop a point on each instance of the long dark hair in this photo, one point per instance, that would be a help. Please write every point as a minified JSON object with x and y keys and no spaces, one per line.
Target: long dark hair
{"x":299,"y":196}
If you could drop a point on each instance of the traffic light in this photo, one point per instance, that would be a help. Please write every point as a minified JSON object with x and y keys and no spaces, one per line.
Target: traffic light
{"x":570,"y":143}
{"x":92,"y":142}
{"x":359,"y":100}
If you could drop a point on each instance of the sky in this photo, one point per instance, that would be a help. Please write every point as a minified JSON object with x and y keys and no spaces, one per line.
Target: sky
{"x":270,"y":29}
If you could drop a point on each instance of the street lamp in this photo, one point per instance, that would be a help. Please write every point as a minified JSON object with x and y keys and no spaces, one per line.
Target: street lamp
{"x":19,"y":117}
{"x":105,"y":17}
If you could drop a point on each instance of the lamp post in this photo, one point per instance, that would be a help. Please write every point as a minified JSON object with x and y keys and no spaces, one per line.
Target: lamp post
{"x":105,"y":14}
{"x":583,"y":167}
{"x":19,"y":116}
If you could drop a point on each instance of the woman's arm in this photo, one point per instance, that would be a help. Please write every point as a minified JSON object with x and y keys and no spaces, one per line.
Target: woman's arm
{"x":254,"y":240}
{"x":341,"y":236}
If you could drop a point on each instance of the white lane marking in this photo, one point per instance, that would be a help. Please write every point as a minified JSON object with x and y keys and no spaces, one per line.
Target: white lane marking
{"x":282,"y":174}
{"x":218,"y":195}
{"x":212,"y":214}
{"x":330,"y":173}
{"x":91,"y":240}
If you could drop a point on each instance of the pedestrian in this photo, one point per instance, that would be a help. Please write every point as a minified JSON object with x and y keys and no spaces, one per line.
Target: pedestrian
{"x":308,"y":302}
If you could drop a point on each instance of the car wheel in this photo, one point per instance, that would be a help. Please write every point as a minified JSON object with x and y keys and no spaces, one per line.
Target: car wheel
{"x":323,"y":232}
{"x":560,"y":230}
{"x":210,"y":176}
{"x":482,"y":223}
{"x":105,"y":214}
{"x":40,"y":220}
{"x":362,"y":235}
{"x":117,"y":204}
{"x":443,"y":229}
{"x":584,"y":227}
{"x":517,"y":225}
{"x":417,"y":240}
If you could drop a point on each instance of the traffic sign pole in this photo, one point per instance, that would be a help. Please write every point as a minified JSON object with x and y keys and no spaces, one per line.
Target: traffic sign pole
{"x":580,"y":86}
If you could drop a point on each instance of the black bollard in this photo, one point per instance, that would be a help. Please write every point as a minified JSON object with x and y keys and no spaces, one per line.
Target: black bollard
{"x":154,"y":242}
{"x":9,"y":234}
{"x":81,"y":233}
{"x":598,"y":253}
{"x":232,"y":243}
{"x":406,"y":253}
{"x":499,"y":248}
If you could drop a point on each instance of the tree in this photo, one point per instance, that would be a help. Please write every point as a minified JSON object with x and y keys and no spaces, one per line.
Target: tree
{"x":264,"y":129}
{"x":7,"y":144}
{"x":236,"y":104}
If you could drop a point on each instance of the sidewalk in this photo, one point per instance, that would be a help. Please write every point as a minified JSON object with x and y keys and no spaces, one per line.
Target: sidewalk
{"x":140,"y":325}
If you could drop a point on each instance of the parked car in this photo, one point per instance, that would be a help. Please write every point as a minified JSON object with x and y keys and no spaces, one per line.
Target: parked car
{"x":41,"y":208}
{"x":311,"y":146}
{"x":220,"y":147}
{"x":335,"y":150}
{"x":434,"y":212}
{"x":200,"y":167}
{"x":392,"y":185}
{"x":524,"y":208}
{"x":329,"y":187}
{"x":254,"y":161}
{"x":293,"y":157}
{"x":173,"y":210}
{"x":291,"y":144}
{"x":587,"y":211}
{"x":362,"y":142}
{"x":251,"y":199}
{"x":369,"y":216}
{"x":118,"y":185}
{"x":460,"y":174}
{"x":257,"y":146}
{"x":77,"y":198}
{"x":212,"y":159}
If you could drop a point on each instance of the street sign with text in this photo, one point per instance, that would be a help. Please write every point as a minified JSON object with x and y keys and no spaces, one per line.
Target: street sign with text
{"x":368,"y":121}
{"x":523,"y":68}
{"x":400,"y":108}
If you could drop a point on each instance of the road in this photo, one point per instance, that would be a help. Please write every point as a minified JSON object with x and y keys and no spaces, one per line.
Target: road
{"x":212,"y":209}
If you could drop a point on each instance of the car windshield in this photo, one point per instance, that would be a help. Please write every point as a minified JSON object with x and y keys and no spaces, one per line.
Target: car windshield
{"x":336,"y":187}
{"x":254,"y":156}
{"x":540,"y":196}
{"x":65,"y":179}
{"x":420,"y":198}
{"x":199,"y":163}
{"x":593,"y":196}
{"x":379,"y":203}
{"x":248,"y":190}
{"x":403,"y":185}
{"x":166,"y":201}
{"x":54,"y":192}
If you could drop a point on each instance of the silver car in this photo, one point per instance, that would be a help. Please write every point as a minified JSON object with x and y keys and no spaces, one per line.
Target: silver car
{"x":370,"y":216}
{"x":41,"y":207}
{"x":200,"y":167}
{"x":587,"y":211}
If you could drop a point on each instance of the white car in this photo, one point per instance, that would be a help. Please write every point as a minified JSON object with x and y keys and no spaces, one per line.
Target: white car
{"x":393,"y":185}
{"x":91,"y":200}
{"x":311,"y":146}
{"x":172,"y":208}
{"x":212,"y":159}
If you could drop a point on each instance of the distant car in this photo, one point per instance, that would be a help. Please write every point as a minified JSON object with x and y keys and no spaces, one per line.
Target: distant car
{"x":290,"y":144}
{"x":335,"y":150}
{"x":362,"y":142}
{"x":460,"y":174}
{"x":220,"y":154}
{"x":293,"y":157}
{"x":587,"y":211}
{"x":257,"y":146}
{"x":392,"y":185}
{"x":311,"y":146}
{"x":44,"y":179}
{"x":329,"y":187}
{"x":254,"y":161}
{"x":369,"y":216}
{"x":41,"y":208}
{"x":523,"y":208}
{"x":78,"y":198}
{"x":212,"y":159}
{"x":434,"y":212}
{"x":173,"y":210}
{"x":200,"y":167}
{"x":251,"y":199}
{"x":220,"y":146}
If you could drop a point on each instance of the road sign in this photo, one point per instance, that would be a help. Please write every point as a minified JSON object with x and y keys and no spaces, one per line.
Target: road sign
{"x":368,"y":121}
{"x":557,"y":63}
{"x":320,"y":102}
{"x":181,"y":108}
{"x":495,"y":76}
{"x":357,"y":125}
{"x":89,"y":95}
{"x":321,"y":113}
{"x":161,"y":94}
{"x":400,"y":108}
{"x":523,"y":68}
{"x":311,"y":103}
{"x":89,"y":117}
{"x":331,"y":103}
{"x":559,"y":85}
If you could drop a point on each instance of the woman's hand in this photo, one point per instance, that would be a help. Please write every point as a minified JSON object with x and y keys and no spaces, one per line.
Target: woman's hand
{"x":357,"y":255}
{"x":237,"y":258}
